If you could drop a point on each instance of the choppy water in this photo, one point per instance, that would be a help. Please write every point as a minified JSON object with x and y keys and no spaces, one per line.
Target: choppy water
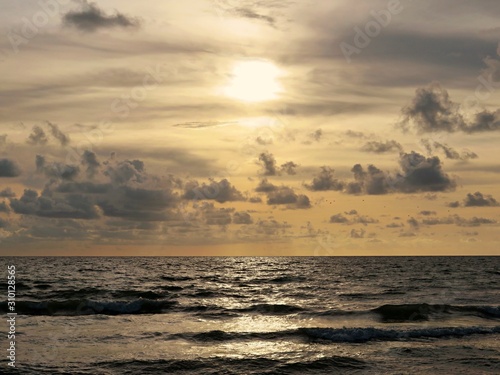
{"x":257,"y":315}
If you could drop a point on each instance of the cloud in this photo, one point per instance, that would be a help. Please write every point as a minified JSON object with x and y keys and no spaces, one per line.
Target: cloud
{"x":37,"y":137}
{"x":432,"y":111}
{"x":89,"y":159}
{"x":4,"y":207}
{"x":453,"y":204}
{"x":221,"y":191}
{"x":9,"y":168}
{"x":456,"y":220}
{"x":418,"y":174}
{"x":358,"y":233}
{"x":356,"y":219}
{"x":56,"y":170}
{"x":215,"y":216}
{"x":126,"y":171}
{"x":373,"y":181}
{"x":286,"y":196}
{"x":58,"y":134}
{"x":202,"y":124}
{"x":479,"y":200}
{"x":265,"y":186}
{"x":316,"y":136}
{"x":242,"y":218}
{"x":7,"y":193}
{"x":251,"y":14}
{"x":289,"y":168}
{"x":75,"y":206}
{"x":423,"y":174}
{"x":448,"y":151}
{"x":91,"y":18}
{"x":3,"y":139}
{"x":270,"y":167}
{"x":268,"y":163}
{"x":382,"y":147}
{"x":427,"y":213}
{"x":339,"y":219}
{"x":325,"y":181}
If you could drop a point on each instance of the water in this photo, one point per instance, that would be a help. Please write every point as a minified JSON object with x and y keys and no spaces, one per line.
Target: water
{"x":236,"y":315}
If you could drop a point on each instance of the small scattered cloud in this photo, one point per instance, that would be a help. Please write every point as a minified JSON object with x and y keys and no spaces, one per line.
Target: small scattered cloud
{"x":479,"y":200}
{"x":91,"y":18}
{"x":378,"y":147}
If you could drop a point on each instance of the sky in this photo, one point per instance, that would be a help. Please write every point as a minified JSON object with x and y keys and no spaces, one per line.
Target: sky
{"x":224,"y":127}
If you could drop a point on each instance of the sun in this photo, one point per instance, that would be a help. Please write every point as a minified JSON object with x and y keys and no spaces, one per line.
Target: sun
{"x":254,"y":81}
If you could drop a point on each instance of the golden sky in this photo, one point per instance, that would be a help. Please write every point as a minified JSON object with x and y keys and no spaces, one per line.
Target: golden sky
{"x":249,"y":128}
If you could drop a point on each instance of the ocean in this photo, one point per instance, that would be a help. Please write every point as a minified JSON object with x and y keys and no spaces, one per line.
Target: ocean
{"x":255,"y":315}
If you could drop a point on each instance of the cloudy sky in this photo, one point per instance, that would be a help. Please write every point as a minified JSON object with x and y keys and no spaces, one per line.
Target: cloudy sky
{"x":224,"y":127}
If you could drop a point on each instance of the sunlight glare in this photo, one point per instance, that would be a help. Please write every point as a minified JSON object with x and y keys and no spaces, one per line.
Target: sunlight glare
{"x":254,"y":81}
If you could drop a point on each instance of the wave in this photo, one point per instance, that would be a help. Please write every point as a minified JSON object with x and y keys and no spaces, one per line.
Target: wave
{"x":91,"y":307}
{"x":424,"y":311}
{"x":337,"y":335}
{"x":154,"y":302}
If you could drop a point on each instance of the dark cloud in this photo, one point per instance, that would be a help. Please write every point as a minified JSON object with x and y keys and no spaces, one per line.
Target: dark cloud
{"x":215,"y":216}
{"x":221,"y":191}
{"x":271,"y":227}
{"x":242,"y":218}
{"x":58,"y":134}
{"x":418,"y":174}
{"x":37,"y":137}
{"x":325,"y":181}
{"x":356,"y":219}
{"x":422,"y":174}
{"x":484,"y":121}
{"x":360,"y":233}
{"x":448,"y":151}
{"x":382,"y":147}
{"x":7,"y":193}
{"x":286,"y":196}
{"x":457,"y":220}
{"x":251,"y":14}
{"x":427,"y":213}
{"x":432,"y":111}
{"x":453,"y":204}
{"x":126,"y":171}
{"x":373,"y":181}
{"x":75,"y":206}
{"x":4,"y":207}
{"x":265,"y":186}
{"x":255,"y":200}
{"x":89,"y":160}
{"x":289,"y":168}
{"x":268,"y":163}
{"x":479,"y":200}
{"x":339,"y":219}
{"x":9,"y":168}
{"x":55,"y":169}
{"x":413,"y":223}
{"x":352,"y":212}
{"x":91,"y":18}
{"x":270,"y":168}
{"x":394,"y":225}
